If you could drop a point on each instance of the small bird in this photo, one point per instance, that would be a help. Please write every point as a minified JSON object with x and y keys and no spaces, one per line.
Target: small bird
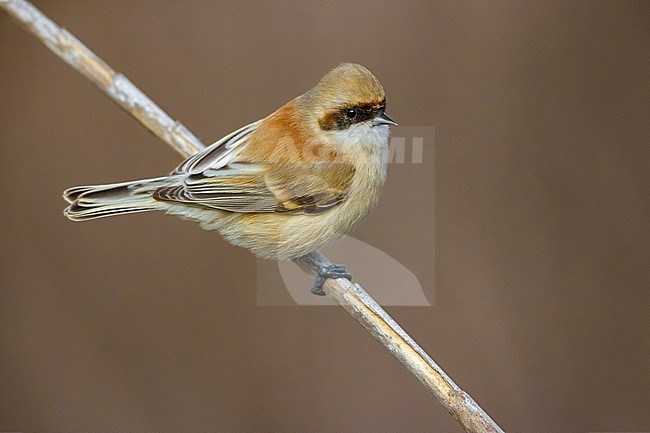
{"x":283,"y":186}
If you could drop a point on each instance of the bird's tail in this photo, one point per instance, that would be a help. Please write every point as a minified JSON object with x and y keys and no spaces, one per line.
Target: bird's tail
{"x":98,"y":201}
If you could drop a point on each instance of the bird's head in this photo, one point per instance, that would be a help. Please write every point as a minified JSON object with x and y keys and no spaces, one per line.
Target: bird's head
{"x":348,"y":106}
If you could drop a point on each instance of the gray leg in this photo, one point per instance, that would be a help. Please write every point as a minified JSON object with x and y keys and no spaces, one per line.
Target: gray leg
{"x":316,"y":263}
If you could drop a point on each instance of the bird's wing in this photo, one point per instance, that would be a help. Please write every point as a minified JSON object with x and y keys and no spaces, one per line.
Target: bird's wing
{"x":216,"y":179}
{"x":256,"y":188}
{"x":310,"y":188}
{"x":218,"y":154}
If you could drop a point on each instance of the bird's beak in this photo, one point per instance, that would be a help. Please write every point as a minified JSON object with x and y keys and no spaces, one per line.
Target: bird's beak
{"x":383,"y":119}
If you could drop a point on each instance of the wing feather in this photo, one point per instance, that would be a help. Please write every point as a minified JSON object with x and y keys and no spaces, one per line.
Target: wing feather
{"x":216,"y":179}
{"x":219,"y":153}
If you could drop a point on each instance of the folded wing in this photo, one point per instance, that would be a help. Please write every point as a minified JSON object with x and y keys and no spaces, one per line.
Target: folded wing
{"x":218,"y":178}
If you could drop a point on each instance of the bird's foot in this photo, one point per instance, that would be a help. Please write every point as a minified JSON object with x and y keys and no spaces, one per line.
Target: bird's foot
{"x":324,"y":272}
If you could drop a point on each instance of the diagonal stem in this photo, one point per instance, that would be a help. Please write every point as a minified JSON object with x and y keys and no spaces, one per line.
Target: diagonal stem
{"x":365,"y":310}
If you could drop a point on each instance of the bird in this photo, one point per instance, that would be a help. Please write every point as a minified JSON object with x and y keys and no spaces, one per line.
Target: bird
{"x":283,"y":186}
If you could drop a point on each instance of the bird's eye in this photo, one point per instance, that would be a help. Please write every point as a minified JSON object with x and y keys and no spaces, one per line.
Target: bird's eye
{"x":351,"y":113}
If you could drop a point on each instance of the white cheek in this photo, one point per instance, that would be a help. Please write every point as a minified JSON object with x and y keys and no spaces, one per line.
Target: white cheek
{"x":363,"y":136}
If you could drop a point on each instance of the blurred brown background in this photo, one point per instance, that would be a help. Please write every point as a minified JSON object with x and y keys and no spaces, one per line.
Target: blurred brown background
{"x":147,"y":323}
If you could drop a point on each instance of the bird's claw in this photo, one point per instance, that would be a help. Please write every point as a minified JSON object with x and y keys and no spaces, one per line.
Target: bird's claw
{"x":325,"y":272}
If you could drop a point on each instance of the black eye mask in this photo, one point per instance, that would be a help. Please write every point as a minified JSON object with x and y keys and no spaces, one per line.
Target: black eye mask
{"x":345,"y":117}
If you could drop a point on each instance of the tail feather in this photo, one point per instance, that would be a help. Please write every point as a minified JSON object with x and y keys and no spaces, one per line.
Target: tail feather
{"x":99,"y":201}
